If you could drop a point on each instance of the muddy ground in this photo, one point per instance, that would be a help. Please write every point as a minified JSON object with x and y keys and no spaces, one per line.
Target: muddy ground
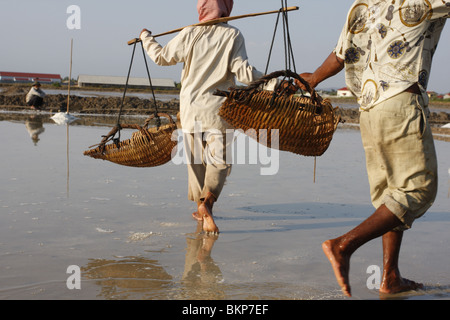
{"x":91,"y":105}
{"x":13,"y":99}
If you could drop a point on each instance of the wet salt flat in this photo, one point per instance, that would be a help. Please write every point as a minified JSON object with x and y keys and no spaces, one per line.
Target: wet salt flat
{"x":130,"y":230}
{"x":99,"y":94}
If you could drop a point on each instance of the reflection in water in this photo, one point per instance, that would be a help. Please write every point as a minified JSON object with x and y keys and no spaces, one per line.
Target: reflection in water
{"x":67,"y":157}
{"x":142,"y":278}
{"x":202,"y":277}
{"x":128,"y":278}
{"x":101,"y":120}
{"x":35,"y":126}
{"x":65,"y":119}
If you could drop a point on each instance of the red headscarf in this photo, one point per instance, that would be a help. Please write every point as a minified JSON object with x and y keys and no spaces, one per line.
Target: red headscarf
{"x":213,"y":9}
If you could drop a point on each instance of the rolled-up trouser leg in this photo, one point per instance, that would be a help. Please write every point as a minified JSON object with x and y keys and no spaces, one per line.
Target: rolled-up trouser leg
{"x":400,"y":156}
{"x":207,"y":167}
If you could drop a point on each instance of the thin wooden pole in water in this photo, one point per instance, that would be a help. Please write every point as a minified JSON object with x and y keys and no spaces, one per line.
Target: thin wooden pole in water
{"x":67,"y":124}
{"x":67,"y":156}
{"x":70,"y":74}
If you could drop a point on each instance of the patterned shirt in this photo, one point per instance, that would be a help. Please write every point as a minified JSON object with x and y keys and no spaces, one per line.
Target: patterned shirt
{"x":388,"y":46}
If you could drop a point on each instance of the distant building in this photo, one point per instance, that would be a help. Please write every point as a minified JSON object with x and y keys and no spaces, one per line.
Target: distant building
{"x":344,"y":92}
{"x":447,"y":96}
{"x":22,"y":77}
{"x":111,"y":81}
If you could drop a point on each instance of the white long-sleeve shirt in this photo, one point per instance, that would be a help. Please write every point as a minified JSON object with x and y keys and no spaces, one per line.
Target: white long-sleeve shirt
{"x":34,"y":92}
{"x":213,"y":56}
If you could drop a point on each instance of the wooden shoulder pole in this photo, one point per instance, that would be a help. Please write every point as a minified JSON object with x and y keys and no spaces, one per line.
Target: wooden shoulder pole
{"x":219,"y":20}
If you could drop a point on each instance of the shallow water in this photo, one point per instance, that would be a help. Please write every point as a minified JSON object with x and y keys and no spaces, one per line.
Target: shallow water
{"x":99,"y":94}
{"x":131,"y":233}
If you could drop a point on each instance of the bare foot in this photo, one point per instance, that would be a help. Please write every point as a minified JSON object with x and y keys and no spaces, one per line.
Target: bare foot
{"x":397,"y":285}
{"x":208,"y":221}
{"x":197,"y":216}
{"x":340,"y":265}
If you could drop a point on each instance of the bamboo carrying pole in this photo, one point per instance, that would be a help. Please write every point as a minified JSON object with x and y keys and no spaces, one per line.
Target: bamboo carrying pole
{"x":219,"y":20}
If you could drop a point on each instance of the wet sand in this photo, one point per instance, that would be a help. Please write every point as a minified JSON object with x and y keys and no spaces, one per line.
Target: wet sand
{"x":84,"y":101}
{"x":131,"y":232}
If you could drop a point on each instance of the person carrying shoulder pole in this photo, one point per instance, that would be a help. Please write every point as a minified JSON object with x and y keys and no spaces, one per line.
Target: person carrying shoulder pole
{"x":214,"y":57}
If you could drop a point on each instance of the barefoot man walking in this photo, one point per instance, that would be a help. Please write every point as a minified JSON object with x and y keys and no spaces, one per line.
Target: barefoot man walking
{"x":386,"y":48}
{"x":213,"y":57}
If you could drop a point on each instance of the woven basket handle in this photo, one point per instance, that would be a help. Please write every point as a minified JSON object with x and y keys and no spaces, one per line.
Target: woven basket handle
{"x":152,"y":116}
{"x":110,"y":136}
{"x":285,"y":73}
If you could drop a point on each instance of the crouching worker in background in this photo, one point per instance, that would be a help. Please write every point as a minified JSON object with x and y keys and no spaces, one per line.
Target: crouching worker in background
{"x":35,"y":97}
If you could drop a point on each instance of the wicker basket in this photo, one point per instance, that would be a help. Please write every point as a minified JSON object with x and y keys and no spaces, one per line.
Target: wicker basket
{"x":146,"y":148}
{"x":305,"y":124}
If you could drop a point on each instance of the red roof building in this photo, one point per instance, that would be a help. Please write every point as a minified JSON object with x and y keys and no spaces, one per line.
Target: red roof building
{"x":22,"y":77}
{"x":344,"y":92}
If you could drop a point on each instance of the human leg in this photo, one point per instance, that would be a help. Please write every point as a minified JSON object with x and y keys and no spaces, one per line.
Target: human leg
{"x":207,"y":173}
{"x":36,"y":102}
{"x":196,"y":170}
{"x":217,"y":170}
{"x":400,"y":156}
{"x":392,"y":282}
{"x":339,"y":250}
{"x":205,"y":213}
{"x":407,"y":157}
{"x":39,"y":102}
{"x":402,"y":171}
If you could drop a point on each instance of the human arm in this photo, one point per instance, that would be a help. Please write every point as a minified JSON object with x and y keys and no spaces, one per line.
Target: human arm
{"x":441,"y":9}
{"x":329,"y":68}
{"x":239,"y":64}
{"x":241,"y":68}
{"x":40,"y":93}
{"x":36,"y":92}
{"x":163,"y":56}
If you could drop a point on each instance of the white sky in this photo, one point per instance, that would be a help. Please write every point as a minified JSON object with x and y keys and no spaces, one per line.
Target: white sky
{"x":35,"y":38}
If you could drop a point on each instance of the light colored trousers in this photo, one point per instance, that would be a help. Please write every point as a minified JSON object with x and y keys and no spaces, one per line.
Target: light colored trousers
{"x":207,"y":165}
{"x":400,"y":156}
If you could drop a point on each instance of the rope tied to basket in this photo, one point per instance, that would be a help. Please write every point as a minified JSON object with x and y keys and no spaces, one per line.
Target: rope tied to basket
{"x":300,"y":124}
{"x":243,"y":95}
{"x":155,"y":106}
{"x":280,"y":119}
{"x":148,"y":146}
